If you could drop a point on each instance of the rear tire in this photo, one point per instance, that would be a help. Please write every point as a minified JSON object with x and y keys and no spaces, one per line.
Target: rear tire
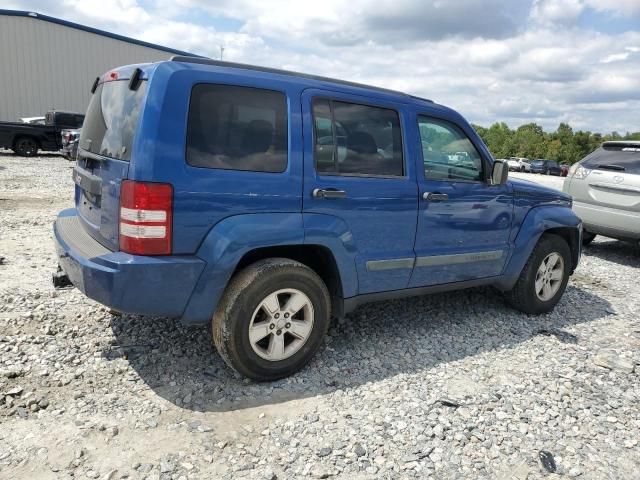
{"x":544,"y":277}
{"x":25,"y":147}
{"x":255,"y":328}
{"x":587,"y":237}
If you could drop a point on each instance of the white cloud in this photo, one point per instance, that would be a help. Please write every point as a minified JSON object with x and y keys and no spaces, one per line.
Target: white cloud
{"x":556,"y":11}
{"x":111,"y":11}
{"x":615,"y":57}
{"x":617,"y":7}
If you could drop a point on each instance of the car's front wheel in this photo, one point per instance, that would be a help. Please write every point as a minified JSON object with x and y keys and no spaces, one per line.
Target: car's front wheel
{"x":271,"y":319}
{"x":544,"y":277}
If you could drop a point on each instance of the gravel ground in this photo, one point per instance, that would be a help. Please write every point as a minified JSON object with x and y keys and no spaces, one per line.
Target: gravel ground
{"x":447,"y":386}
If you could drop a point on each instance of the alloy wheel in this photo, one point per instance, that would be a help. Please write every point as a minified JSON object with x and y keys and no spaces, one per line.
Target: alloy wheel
{"x":281,"y":324}
{"x":549,"y":276}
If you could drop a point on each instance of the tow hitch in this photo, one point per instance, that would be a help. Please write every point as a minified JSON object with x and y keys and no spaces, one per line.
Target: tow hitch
{"x":60,"y":279}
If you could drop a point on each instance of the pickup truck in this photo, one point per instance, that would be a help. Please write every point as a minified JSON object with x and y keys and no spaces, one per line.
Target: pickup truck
{"x":264,"y":202}
{"x":26,"y":139}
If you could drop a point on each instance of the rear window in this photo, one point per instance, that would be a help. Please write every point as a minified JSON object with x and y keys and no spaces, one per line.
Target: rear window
{"x":621,"y":159}
{"x":112,"y":119}
{"x":237,"y":128}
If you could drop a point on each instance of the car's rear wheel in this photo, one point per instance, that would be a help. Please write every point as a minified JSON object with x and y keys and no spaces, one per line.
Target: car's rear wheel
{"x":544,"y":277}
{"x":271,"y":319}
{"x":25,"y":147}
{"x":522,"y":169}
{"x":587,"y":237}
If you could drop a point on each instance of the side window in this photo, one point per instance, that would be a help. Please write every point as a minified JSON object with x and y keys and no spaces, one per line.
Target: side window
{"x":353,"y":139}
{"x":324,"y":136}
{"x":237,"y":128}
{"x":447,"y":152}
{"x":64,"y":119}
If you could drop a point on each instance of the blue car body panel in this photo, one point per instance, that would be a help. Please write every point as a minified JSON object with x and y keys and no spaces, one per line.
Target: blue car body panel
{"x":380,"y":212}
{"x":226,"y":244}
{"x":142,"y":285}
{"x":383,"y":237}
{"x":537,"y":221}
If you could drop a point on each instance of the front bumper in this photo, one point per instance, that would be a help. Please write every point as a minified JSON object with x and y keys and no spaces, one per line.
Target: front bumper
{"x":160,"y":286}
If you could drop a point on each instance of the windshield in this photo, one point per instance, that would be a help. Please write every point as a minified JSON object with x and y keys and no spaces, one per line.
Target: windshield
{"x":537,"y":162}
{"x":112,"y":118}
{"x":620,"y":159}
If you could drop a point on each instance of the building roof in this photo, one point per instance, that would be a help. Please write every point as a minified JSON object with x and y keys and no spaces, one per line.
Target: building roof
{"x":77,"y":26}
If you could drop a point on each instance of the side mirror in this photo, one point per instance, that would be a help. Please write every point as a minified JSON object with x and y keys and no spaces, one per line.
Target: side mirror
{"x":499,"y":173}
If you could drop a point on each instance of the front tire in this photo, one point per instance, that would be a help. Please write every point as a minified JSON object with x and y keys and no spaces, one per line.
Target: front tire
{"x":272,"y":319}
{"x":544,"y":277}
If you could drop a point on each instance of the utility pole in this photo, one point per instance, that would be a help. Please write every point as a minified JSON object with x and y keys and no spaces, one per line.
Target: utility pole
{"x":221,"y":51}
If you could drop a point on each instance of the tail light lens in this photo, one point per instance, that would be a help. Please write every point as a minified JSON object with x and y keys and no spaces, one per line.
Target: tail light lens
{"x":578,"y":172}
{"x":146,"y":216}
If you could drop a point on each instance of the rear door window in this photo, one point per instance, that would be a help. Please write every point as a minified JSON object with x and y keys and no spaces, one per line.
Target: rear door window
{"x":112,"y":119}
{"x":355,"y":139}
{"x":620,"y":159}
{"x":237,"y":128}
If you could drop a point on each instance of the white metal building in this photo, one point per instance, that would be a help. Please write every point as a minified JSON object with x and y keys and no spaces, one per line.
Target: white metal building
{"x":47,"y":63}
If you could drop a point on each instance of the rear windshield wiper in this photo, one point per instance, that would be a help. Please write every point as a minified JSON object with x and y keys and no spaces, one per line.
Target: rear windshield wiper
{"x":618,"y":168}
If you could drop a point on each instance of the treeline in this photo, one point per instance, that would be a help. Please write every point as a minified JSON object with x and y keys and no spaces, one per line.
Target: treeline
{"x":531,"y":141}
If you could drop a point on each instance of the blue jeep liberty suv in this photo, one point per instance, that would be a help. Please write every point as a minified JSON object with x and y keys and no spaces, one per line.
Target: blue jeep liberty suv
{"x":265,"y":202}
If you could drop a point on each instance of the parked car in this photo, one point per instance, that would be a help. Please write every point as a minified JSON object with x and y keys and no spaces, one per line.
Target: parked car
{"x":212,"y":195}
{"x":605,"y":186}
{"x":564,"y":169}
{"x":69,"y":139}
{"x":515,"y":165}
{"x":26,"y":139}
{"x":546,"y":167}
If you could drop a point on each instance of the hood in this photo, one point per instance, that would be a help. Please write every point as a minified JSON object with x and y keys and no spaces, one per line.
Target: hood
{"x":540,"y":193}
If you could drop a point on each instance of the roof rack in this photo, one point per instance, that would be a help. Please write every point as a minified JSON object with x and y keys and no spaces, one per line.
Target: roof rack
{"x":244,"y":66}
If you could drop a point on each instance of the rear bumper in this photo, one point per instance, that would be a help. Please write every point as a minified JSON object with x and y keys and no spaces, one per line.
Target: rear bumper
{"x":609,"y":222}
{"x":160,"y":286}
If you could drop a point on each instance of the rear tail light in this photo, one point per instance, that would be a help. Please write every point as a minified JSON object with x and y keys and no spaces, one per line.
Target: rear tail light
{"x":111,"y":76}
{"x":578,"y":172}
{"x":146,"y":215}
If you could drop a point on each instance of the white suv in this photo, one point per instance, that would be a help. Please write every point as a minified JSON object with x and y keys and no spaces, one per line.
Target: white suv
{"x":605,"y":186}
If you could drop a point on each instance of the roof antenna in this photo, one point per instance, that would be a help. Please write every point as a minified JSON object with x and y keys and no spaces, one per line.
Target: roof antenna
{"x":221,"y":51}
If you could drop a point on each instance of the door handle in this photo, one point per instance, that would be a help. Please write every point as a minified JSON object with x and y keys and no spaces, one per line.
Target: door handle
{"x":328,"y":193}
{"x":435,"y":196}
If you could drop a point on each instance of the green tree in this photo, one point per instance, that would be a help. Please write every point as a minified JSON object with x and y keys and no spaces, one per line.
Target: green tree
{"x":531,"y":141}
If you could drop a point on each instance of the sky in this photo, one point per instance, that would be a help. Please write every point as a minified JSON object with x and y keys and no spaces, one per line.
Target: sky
{"x":517,"y":61}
